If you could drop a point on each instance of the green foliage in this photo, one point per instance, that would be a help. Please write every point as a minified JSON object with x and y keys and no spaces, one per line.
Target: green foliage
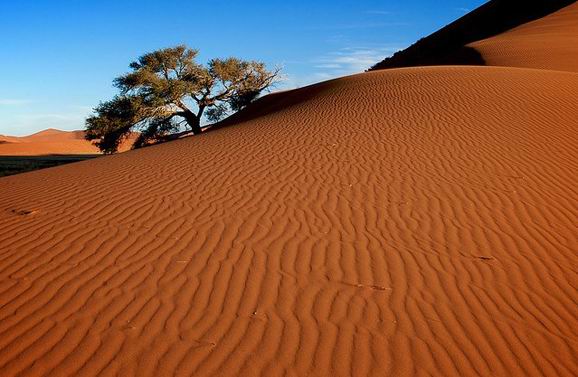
{"x":167,"y":89}
{"x":113,"y":122}
{"x":217,"y":112}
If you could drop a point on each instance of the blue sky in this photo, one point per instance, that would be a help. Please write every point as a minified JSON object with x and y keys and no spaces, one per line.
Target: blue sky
{"x":58,"y":58}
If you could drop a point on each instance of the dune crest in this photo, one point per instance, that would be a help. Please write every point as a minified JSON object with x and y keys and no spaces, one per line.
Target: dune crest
{"x":398,"y":222}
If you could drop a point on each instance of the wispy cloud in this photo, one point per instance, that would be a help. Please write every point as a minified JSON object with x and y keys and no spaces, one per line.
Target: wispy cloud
{"x":339,"y":63}
{"x":328,"y":65}
{"x":463,"y":10}
{"x":378,"y":12}
{"x":12,"y":102}
{"x":359,"y":25}
{"x":352,"y":60}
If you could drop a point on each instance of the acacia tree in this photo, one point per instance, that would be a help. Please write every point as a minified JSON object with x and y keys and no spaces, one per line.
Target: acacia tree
{"x":167,"y":89}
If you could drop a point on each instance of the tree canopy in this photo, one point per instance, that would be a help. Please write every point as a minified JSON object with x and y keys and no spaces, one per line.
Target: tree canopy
{"x":167,"y":89}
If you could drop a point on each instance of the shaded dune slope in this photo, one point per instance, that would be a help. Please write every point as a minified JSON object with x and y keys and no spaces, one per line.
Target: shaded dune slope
{"x":548,"y":43}
{"x":452,"y":45}
{"x":414,"y":221}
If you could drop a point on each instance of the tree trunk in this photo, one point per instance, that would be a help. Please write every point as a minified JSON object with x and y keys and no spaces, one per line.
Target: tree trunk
{"x":194,"y":121}
{"x":196,"y":126}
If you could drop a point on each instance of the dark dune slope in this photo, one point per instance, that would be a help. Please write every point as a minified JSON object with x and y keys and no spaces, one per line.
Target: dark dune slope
{"x":448,"y":46}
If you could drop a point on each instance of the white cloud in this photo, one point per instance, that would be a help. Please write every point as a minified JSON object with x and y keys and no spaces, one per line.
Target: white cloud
{"x":339,"y":63}
{"x":328,"y":66}
{"x":378,"y":12}
{"x":12,"y":102}
{"x":353,"y":60}
{"x":360,"y":25}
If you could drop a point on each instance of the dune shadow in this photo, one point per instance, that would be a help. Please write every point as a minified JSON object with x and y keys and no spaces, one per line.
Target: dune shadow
{"x":10,"y":165}
{"x":462,"y":55}
{"x":449,"y":45}
{"x":269,"y":104}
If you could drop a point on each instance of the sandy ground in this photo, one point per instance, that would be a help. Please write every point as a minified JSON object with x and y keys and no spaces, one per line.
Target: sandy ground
{"x":549,"y":43}
{"x":51,"y":141}
{"x":418,"y":221}
{"x":405,"y":222}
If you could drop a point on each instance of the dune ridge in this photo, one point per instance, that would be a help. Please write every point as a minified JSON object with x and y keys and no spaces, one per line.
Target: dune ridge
{"x":548,"y":43}
{"x":459,"y":43}
{"x":418,"y":221}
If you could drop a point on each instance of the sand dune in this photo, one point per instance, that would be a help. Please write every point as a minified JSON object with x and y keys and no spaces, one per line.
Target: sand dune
{"x":9,"y":139}
{"x":531,"y":46}
{"x":418,"y":221}
{"x":549,"y":43}
{"x":52,"y":141}
{"x":52,"y":134}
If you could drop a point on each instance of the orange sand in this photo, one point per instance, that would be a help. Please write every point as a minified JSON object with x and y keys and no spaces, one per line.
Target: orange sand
{"x":401,"y":222}
{"x":418,"y":221}
{"x":549,"y":43}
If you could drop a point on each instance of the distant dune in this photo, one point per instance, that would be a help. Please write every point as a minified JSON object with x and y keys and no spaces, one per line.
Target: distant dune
{"x":54,"y":134}
{"x":9,"y":139}
{"x":416,"y":221}
{"x":50,"y":142}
